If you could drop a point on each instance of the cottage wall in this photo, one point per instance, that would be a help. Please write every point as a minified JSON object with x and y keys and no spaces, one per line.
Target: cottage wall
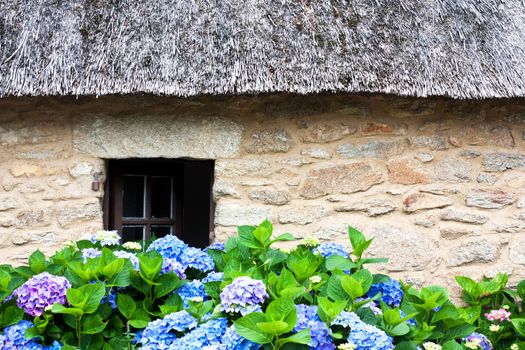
{"x":438,"y":182}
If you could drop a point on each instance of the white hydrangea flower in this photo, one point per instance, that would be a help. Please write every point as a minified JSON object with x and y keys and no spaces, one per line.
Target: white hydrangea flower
{"x":347,"y":346}
{"x":315,"y":279}
{"x":132,"y":246}
{"x":431,"y":346}
{"x":494,"y":328}
{"x":106,"y":238}
{"x":514,"y":347}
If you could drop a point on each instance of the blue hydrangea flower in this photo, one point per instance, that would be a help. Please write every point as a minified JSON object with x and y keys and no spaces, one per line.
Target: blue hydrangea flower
{"x":90,"y":253}
{"x":327,"y":249}
{"x":159,"y":334}
{"x":170,"y":247}
{"x":480,"y":340}
{"x":371,"y":305}
{"x":216,"y":246}
{"x":209,"y":333}
{"x":14,"y":337}
{"x":319,"y":332}
{"x":243,"y":293}
{"x":363,"y":335}
{"x":233,"y":341}
{"x":111,"y":299}
{"x":172,"y":265}
{"x":391,"y":292}
{"x":130,"y":256}
{"x":197,"y":259}
{"x":213,"y":277}
{"x":191,"y":290}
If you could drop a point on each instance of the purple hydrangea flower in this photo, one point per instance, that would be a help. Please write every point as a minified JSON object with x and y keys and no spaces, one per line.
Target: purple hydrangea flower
{"x":371,"y":305}
{"x":363,"y":335}
{"x":242,"y":293}
{"x":391,"y":292}
{"x":90,"y":253}
{"x":40,"y":292}
{"x":213,"y":277}
{"x":191,"y":290}
{"x":327,"y":249}
{"x":129,"y":256}
{"x":159,"y":334}
{"x":172,"y":265}
{"x":209,"y":333}
{"x":481,"y":340}
{"x":319,"y":332}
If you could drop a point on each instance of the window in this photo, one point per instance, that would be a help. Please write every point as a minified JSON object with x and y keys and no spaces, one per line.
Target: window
{"x":146,"y":198}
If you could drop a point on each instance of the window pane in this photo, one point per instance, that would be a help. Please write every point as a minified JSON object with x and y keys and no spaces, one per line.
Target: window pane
{"x":160,"y":231}
{"x":161,"y":197}
{"x":133,"y":197}
{"x":133,"y":233}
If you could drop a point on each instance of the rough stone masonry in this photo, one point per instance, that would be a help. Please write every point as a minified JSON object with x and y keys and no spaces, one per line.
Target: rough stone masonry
{"x":439,"y":183}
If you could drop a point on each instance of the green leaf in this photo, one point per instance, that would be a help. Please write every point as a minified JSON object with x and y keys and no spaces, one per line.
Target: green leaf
{"x":93,"y":324}
{"x":358,"y":241}
{"x":460,"y":331}
{"x":282,"y":309}
{"x":470,"y":314}
{"x":302,"y":337}
{"x":37,"y":262}
{"x":150,"y":265}
{"x":93,"y":293}
{"x":469,"y":286}
{"x":246,"y":237}
{"x":12,"y":315}
{"x":352,"y":287}
{"x":446,"y":312}
{"x":126,"y":305}
{"x":519,"y":325}
{"x":365,"y":279}
{"x":328,"y":310}
{"x":521,"y":289}
{"x":273,"y":328}
{"x":339,"y":262}
{"x":247,"y":327}
{"x":91,"y":342}
{"x":335,"y":290}
{"x":452,"y":345}
{"x":285,"y":237}
{"x":167,"y":283}
{"x":399,"y":330}
{"x":61,"y":309}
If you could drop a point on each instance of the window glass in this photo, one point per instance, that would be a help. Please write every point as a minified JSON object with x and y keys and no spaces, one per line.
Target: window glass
{"x":161,"y":231}
{"x":161,"y":197}
{"x":134,"y":196}
{"x":133,"y":233}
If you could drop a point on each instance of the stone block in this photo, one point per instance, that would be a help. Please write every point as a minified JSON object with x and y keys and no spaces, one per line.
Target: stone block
{"x":453,"y":170}
{"x":269,"y":141}
{"x":372,"y":207}
{"x":303,"y":215}
{"x":407,"y":249}
{"x":436,"y":142}
{"x":456,"y":232}
{"x":316,"y":152}
{"x":243,"y":167}
{"x":325,"y":131}
{"x":464,"y":217}
{"x":406,"y":172}
{"x":375,"y":128}
{"x":78,"y":212}
{"x":480,"y":251}
{"x":234,"y":214}
{"x":371,"y":149}
{"x":272,"y":197}
{"x":503,"y":161}
{"x":517,"y":250}
{"x":9,"y":202}
{"x":151,"y":136}
{"x":344,"y":179}
{"x":34,"y":218}
{"x":224,"y":189}
{"x":488,"y":198}
{"x":424,"y":201}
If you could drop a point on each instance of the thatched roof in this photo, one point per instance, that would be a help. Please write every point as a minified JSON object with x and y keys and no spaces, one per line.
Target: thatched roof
{"x":457,"y":48}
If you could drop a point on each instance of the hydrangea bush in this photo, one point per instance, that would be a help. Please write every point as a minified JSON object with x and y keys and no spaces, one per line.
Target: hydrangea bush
{"x":244,"y":294}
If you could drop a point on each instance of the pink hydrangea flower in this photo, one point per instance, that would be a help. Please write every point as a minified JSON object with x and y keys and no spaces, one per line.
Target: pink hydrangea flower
{"x":498,"y":315}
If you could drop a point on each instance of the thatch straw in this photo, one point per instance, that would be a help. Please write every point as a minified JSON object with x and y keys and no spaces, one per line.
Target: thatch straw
{"x":457,"y":48}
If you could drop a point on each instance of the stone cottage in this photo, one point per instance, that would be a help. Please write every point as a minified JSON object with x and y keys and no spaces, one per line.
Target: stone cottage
{"x":404,"y":119}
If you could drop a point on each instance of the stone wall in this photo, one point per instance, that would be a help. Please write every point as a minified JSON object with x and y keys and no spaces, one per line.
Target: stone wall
{"x":438,"y":182}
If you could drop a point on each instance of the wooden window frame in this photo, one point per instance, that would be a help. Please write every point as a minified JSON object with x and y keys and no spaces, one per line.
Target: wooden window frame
{"x":149,"y":168}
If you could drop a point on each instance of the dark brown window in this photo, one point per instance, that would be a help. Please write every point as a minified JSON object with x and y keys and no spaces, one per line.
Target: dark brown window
{"x":146,"y":198}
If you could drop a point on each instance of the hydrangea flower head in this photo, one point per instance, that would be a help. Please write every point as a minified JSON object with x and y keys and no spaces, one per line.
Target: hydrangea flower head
{"x":129,"y":256}
{"x":132,"y":246}
{"x":478,"y":341}
{"x":191,"y":290}
{"x":40,"y":292}
{"x":207,"y":334}
{"x":242,"y":293}
{"x":498,"y":315}
{"x":363,"y":335}
{"x":233,"y":341}
{"x":159,"y":334}
{"x":310,"y":241}
{"x":391,"y":292}
{"x":90,"y":253}
{"x":170,"y":247}
{"x":196,"y":258}
{"x":371,"y":305}
{"x":327,"y":249}
{"x":111,"y":299}
{"x":172,"y":265}
{"x":319,"y":333}
{"x":431,"y":346}
{"x":106,"y":238}
{"x":347,"y":346}
{"x":14,"y":337}
{"x":213,"y":277}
